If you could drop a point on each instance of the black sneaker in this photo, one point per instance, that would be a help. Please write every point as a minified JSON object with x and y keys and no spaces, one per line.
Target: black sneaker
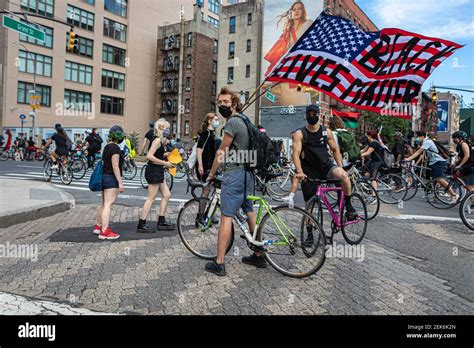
{"x":165,"y":226}
{"x":351,"y":213}
{"x":215,"y":268}
{"x":199,"y":221}
{"x":145,"y":229}
{"x":310,"y":238}
{"x":254,"y":260}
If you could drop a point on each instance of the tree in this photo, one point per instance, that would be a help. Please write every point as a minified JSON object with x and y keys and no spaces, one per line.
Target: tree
{"x":391,"y":124}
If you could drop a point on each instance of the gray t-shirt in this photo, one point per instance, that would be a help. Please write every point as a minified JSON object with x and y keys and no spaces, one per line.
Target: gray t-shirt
{"x":237,"y":129}
{"x":432,"y":151}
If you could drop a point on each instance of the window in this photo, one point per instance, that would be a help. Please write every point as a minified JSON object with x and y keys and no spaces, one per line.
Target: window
{"x":76,"y":100}
{"x":118,"y":7}
{"x":189,"y":40}
{"x":48,"y":40}
{"x":232,"y":25}
{"x":189,"y":61}
{"x":216,"y":46}
{"x":249,"y":45}
{"x":80,"y":18}
{"x":247,"y":96}
{"x":231,"y":50}
{"x":41,"y":7}
{"x":174,"y":127}
{"x":34,"y":63}
{"x":247,"y":71}
{"x":213,"y":107}
{"x":214,"y":67}
{"x":85,"y":46}
{"x":187,"y":105}
{"x":186,"y":127}
{"x":78,"y":73}
{"x":188,"y":83}
{"x":113,"y":55}
{"x":115,"y":30}
{"x":230,"y":75}
{"x":111,"y":105}
{"x":90,"y":2}
{"x":112,"y":79}
{"x":213,"y":21}
{"x":249,"y":19}
{"x":214,"y":6}
{"x":214,"y":88}
{"x":23,"y":93}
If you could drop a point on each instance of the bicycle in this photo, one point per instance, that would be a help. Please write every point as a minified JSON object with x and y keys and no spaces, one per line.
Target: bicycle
{"x":466,"y":210}
{"x":35,"y":154}
{"x":363,"y":188}
{"x":129,"y":168}
{"x":6,"y":154}
{"x":168,"y":178}
{"x":78,"y":161}
{"x":64,"y":170}
{"x":338,"y":220}
{"x":280,"y":234}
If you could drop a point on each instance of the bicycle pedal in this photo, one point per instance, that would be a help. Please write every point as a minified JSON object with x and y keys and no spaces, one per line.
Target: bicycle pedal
{"x":242,"y":236}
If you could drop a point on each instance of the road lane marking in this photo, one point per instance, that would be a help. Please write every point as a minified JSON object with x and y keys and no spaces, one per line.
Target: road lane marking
{"x":420,"y":217}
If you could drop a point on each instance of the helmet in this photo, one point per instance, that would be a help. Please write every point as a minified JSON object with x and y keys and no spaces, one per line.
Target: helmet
{"x":57,"y":125}
{"x":88,"y":131}
{"x":459,"y":135}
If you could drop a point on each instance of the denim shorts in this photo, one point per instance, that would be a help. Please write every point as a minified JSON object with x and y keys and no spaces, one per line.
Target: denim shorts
{"x":109,"y":181}
{"x":233,"y":192}
{"x":438,"y":169}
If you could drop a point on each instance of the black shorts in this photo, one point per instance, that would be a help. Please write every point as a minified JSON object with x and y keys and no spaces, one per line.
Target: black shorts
{"x":154,"y":174}
{"x":61,"y":152}
{"x":109,"y":181}
{"x":309,"y":187}
{"x":373,"y":168}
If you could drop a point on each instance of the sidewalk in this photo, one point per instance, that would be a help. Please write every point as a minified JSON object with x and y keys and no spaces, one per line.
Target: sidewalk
{"x":24,"y":200}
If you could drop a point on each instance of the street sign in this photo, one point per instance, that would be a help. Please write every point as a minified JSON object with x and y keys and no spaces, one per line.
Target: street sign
{"x":22,"y":116}
{"x":270,"y":96}
{"x":23,"y":28}
{"x":35,"y":102}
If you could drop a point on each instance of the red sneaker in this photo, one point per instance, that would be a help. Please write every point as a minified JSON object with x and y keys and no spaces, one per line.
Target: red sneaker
{"x":97,"y":229}
{"x":108,"y":234}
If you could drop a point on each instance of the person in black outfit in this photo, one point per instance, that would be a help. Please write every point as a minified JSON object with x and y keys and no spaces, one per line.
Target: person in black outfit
{"x":154,"y":175}
{"x":206,"y":152}
{"x":148,"y":138}
{"x":112,"y":184}
{"x":375,"y":151}
{"x":62,"y":142}
{"x":398,"y":149}
{"x":94,"y":142}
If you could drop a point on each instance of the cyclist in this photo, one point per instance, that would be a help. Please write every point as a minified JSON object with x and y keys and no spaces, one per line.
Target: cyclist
{"x":465,"y":160}
{"x":63,"y":144}
{"x":31,"y":146}
{"x":112,"y":182}
{"x":312,"y":159}
{"x":154,"y":175}
{"x":20,"y":145}
{"x":375,"y":151}
{"x":398,"y":149}
{"x":148,"y":138}
{"x":94,"y":142}
{"x":436,"y":163}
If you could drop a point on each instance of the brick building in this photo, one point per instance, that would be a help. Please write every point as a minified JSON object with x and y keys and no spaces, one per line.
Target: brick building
{"x":198,"y":78}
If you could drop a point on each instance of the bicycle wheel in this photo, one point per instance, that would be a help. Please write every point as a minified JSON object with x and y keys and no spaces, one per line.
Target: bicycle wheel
{"x":354,"y":231}
{"x":181,"y":170}
{"x":299,"y":249}
{"x":466,"y":211}
{"x":79,"y":168}
{"x":198,"y":239}
{"x":47,"y":171}
{"x":29,"y":156}
{"x":66,"y":174}
{"x":439,"y":197}
{"x":370,"y":196}
{"x":318,"y":210}
{"x":129,"y":170}
{"x":142,"y":177}
{"x":391,"y":188}
{"x":169,"y":179}
{"x":4,"y":156}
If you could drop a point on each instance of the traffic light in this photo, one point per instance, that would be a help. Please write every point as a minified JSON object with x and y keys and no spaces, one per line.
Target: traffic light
{"x":434,"y":98}
{"x":72,"y":41}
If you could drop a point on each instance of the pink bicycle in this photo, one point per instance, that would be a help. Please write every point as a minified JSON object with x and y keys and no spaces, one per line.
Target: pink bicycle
{"x":352,"y":230}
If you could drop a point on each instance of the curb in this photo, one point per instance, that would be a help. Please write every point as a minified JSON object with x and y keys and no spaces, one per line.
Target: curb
{"x":39,"y":212}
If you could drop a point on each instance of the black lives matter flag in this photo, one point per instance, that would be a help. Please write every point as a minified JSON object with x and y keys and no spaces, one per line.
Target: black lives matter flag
{"x":367,"y":70}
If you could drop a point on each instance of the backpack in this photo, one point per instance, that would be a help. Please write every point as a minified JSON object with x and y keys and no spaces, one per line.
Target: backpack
{"x":266,"y":151}
{"x":441,"y":150}
{"x":95,"y":181}
{"x":387,"y":156}
{"x":98,"y":138}
{"x":347,"y":144}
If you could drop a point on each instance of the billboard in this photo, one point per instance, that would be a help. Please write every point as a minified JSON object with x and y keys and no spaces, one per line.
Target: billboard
{"x":443,"y":116}
{"x":285,"y":21}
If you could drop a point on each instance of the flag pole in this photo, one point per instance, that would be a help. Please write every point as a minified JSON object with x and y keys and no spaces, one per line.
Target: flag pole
{"x":248,"y":103}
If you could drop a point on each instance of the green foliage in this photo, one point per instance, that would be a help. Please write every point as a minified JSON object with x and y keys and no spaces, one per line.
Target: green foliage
{"x":134,"y":139}
{"x":390,"y":125}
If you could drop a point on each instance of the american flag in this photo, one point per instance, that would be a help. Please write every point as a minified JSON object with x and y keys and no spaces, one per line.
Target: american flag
{"x":366,"y":70}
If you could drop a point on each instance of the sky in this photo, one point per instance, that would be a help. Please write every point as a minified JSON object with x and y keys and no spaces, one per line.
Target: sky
{"x":446,"y":19}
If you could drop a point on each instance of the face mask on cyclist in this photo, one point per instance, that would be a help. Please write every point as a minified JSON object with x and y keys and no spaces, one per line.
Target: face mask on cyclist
{"x":215,"y":124}
{"x":166,"y":132}
{"x":225,"y":111}
{"x":312,"y":119}
{"x":172,"y":142}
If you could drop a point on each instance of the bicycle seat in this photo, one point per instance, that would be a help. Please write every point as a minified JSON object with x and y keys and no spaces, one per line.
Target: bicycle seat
{"x":328,"y":181}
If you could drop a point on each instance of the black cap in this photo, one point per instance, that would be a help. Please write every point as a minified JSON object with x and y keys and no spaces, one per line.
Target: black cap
{"x":57,"y":125}
{"x":312,"y":107}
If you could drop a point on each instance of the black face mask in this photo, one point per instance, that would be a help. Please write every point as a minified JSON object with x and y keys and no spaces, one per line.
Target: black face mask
{"x":312,"y":120}
{"x":225,"y":111}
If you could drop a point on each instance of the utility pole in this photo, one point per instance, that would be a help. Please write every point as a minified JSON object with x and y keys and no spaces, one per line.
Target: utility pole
{"x":181,"y":71}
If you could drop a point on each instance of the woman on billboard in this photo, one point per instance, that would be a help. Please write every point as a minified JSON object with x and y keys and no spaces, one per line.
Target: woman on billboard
{"x":296,"y":23}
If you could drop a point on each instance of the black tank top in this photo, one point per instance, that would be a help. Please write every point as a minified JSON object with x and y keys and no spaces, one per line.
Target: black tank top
{"x":315,"y":155}
{"x":459,"y":150}
{"x":159,"y":153}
